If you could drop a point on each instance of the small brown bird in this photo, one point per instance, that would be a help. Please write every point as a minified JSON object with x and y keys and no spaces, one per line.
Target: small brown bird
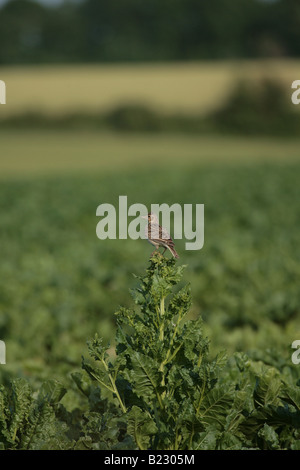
{"x":158,"y":236}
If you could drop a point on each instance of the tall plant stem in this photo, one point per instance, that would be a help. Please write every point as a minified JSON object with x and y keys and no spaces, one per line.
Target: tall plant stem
{"x":114,"y":387}
{"x":162,"y":314}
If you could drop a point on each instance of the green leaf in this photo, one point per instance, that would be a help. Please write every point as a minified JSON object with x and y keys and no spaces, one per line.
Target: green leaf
{"x":195,"y":345}
{"x":215,"y":406}
{"x":96,"y":349}
{"x":275,"y":416}
{"x":295,"y":445}
{"x":267,"y":387}
{"x":52,"y":391}
{"x":269,"y":436}
{"x":98,"y":374}
{"x":291,"y":394}
{"x":206,"y":440}
{"x":21,"y":398}
{"x":140,"y":426}
{"x":235,"y":415}
{"x":83,"y":382}
{"x":144,"y":377}
{"x":228,"y":441}
{"x":5,"y":410}
{"x":181,"y":302}
{"x":43,"y":430}
{"x":29,"y":422}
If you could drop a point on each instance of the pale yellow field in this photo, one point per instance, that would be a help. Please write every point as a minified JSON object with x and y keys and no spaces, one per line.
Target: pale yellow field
{"x":185,"y":87}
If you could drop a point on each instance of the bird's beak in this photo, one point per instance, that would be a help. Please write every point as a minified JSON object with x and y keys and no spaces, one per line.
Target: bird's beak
{"x":144,"y":216}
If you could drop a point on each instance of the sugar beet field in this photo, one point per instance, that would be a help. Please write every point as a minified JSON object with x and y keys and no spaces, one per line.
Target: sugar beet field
{"x":216,"y":371}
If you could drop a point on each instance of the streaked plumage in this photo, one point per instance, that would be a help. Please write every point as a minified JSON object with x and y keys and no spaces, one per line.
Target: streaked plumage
{"x":159,"y":236}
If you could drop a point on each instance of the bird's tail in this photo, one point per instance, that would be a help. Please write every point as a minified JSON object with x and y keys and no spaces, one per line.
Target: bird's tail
{"x":173,"y":251}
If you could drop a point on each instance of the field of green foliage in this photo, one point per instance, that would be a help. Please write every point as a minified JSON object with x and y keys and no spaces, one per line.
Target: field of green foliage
{"x":60,"y":285}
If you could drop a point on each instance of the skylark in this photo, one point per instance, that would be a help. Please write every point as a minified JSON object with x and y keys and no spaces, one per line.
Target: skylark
{"x":158,"y":236}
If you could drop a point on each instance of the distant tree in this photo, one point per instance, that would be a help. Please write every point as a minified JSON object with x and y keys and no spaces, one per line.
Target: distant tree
{"x":21,"y":31}
{"x":133,"y":30}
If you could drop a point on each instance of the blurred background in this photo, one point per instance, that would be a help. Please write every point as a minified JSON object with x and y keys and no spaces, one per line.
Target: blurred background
{"x":163,"y":101}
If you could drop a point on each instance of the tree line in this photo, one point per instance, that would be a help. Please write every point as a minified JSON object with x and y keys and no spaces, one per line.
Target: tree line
{"x":153,"y":30}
